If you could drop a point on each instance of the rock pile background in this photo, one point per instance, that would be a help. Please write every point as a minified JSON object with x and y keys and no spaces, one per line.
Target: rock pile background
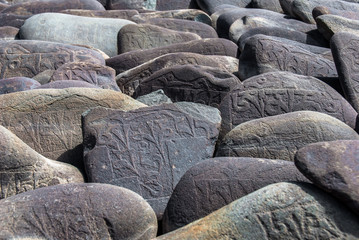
{"x":194,"y":119}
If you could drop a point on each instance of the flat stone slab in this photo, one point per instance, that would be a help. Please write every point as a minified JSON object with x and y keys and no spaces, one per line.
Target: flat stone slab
{"x":329,"y":24}
{"x":333,"y":166}
{"x":17,"y":84}
{"x":49,"y":120}
{"x":77,"y":211}
{"x":99,"y":33}
{"x":278,"y":211}
{"x":210,"y":6}
{"x":279,"y":137}
{"x":322,"y":10}
{"x":190,"y":83}
{"x":27,"y":58}
{"x":22,"y":169}
{"x":145,"y":150}
{"x":216,"y":182}
{"x":211,"y":46}
{"x":154,"y":98}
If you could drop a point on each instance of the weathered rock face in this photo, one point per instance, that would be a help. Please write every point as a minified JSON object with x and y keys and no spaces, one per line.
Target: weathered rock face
{"x":12,"y":20}
{"x":321,"y":10}
{"x":96,"y":74}
{"x":265,"y":54}
{"x":189,"y":83}
{"x":145,"y":150}
{"x":147,"y":36}
{"x":99,"y":33}
{"x":279,"y":137}
{"x":272,"y":5}
{"x":329,"y":24}
{"x":77,"y":211}
{"x":17,"y":84}
{"x":49,"y":120}
{"x":278,"y":211}
{"x":22,"y":169}
{"x":162,"y":5}
{"x":41,"y":6}
{"x":131,"y":4}
{"x":333,"y":166}
{"x":122,"y":14}
{"x":276,"y":93}
{"x":67,"y":84}
{"x":216,"y":182}
{"x":344,"y":49}
{"x":8,"y":33}
{"x":154,"y":98}
{"x":212,"y":46}
{"x":28,"y":58}
{"x":210,"y":6}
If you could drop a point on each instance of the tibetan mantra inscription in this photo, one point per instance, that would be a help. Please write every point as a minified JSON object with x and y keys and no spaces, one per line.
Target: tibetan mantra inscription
{"x":146,"y":150}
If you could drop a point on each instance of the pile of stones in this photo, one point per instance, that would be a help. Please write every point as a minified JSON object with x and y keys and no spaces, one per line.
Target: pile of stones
{"x":191,"y":119}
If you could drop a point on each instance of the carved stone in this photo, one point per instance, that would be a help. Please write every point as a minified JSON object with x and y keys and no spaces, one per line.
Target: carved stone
{"x":201,"y":29}
{"x":121,"y":14}
{"x":188,"y":83}
{"x":278,"y":211}
{"x":12,"y":20}
{"x":212,"y":46}
{"x":210,"y":6}
{"x":145,"y":150}
{"x":22,"y":169}
{"x":333,"y":166}
{"x":146,"y":36}
{"x":345,"y":50}
{"x":275,"y":93}
{"x":28,"y":58}
{"x":67,"y":84}
{"x":279,"y":137}
{"x":49,"y":120}
{"x":17,"y":84}
{"x":77,"y":211}
{"x":321,"y":10}
{"x":96,"y":74}
{"x":154,"y":98}
{"x":99,"y":33}
{"x":329,"y":24}
{"x":41,"y":6}
{"x":146,"y":69}
{"x":217,"y":182}
{"x":264,"y":54}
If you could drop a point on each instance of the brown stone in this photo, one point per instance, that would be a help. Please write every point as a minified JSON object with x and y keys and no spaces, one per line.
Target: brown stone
{"x":12,"y":20}
{"x":8,"y":33}
{"x":67,"y":84}
{"x":17,"y":84}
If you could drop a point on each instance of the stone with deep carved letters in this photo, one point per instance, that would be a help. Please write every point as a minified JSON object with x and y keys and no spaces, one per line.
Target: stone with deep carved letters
{"x":145,"y":150}
{"x":77,"y":211}
{"x":17,"y":84}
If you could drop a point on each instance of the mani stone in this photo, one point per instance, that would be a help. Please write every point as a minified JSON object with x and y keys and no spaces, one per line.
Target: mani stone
{"x":67,"y":84}
{"x":147,"y":36}
{"x":27,"y":58}
{"x":17,"y":84}
{"x":145,"y":150}
{"x":12,"y":20}
{"x":321,"y":10}
{"x":22,"y":169}
{"x":77,"y":211}
{"x":210,"y":46}
{"x":41,"y":6}
{"x":96,"y":74}
{"x":122,"y":14}
{"x":275,"y":93}
{"x":280,"y":136}
{"x":278,"y":211}
{"x":217,"y":182}
{"x":146,"y":69}
{"x":334,"y":167}
{"x":190,"y":83}
{"x":344,"y":48}
{"x":154,"y":98}
{"x":329,"y":24}
{"x":99,"y":33}
{"x":49,"y":120}
{"x":8,"y":33}
{"x":263,"y":54}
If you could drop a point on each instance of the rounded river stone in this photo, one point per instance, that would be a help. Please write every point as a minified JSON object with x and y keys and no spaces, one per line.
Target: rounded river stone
{"x":17,"y":84}
{"x":67,"y":84}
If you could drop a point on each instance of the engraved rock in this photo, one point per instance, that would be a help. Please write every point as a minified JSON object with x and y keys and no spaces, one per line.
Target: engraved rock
{"x":201,"y":29}
{"x":27,"y":58}
{"x":22,"y":169}
{"x":333,"y":166}
{"x":41,"y":6}
{"x":278,"y":211}
{"x":49,"y":120}
{"x":211,"y":46}
{"x":122,"y":14}
{"x":67,"y":84}
{"x":146,"y":36}
{"x":44,"y":77}
{"x":154,"y":98}
{"x":145,"y":150}
{"x":77,"y":211}
{"x":190,"y":83}
{"x":95,"y":74}
{"x":344,"y":49}
{"x":265,"y":54}
{"x":8,"y":33}
{"x":17,"y":84}
{"x":279,"y":137}
{"x":216,"y":182}
{"x":210,"y":6}
{"x":100,"y":33}
{"x":146,"y":69}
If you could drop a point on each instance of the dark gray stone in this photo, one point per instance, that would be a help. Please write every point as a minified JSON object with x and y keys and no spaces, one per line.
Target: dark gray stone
{"x":67,"y":84}
{"x":210,"y":6}
{"x":17,"y":84}
{"x":154,"y":98}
